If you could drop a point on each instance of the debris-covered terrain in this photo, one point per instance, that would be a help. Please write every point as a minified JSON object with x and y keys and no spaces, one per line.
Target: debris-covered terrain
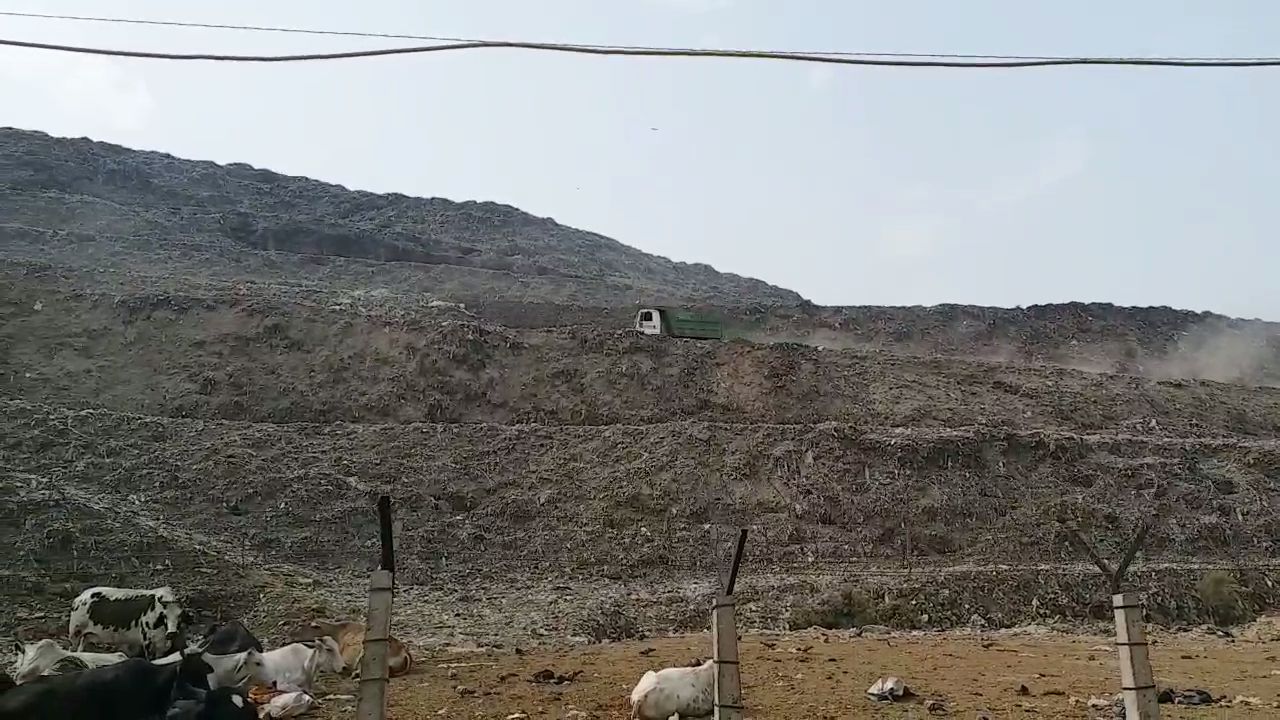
{"x":1029,"y":673}
{"x":208,"y":374}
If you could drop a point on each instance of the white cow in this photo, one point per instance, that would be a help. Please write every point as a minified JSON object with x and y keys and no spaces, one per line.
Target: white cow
{"x":137,"y":622}
{"x":232,"y":671}
{"x":677,"y":692}
{"x":41,"y":657}
{"x":294,"y":666}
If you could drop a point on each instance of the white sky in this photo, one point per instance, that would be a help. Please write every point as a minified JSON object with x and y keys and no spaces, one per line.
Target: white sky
{"x":849,"y":185}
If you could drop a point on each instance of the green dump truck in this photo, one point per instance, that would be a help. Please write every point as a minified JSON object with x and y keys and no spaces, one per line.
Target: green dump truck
{"x":678,"y":323}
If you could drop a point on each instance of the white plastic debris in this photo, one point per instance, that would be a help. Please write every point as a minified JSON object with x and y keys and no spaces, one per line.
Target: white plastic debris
{"x":887,"y":689}
{"x":287,"y":705}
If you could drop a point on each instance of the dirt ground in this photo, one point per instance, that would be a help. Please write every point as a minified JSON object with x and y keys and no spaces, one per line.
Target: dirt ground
{"x":824,"y":675}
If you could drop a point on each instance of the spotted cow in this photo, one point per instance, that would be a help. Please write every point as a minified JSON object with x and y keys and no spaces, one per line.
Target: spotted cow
{"x":146,"y":623}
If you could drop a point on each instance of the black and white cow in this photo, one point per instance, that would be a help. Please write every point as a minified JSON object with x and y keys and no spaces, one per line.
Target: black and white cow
{"x":235,"y":670}
{"x":217,"y":704}
{"x":229,"y":638}
{"x":145,"y":623}
{"x":135,"y":689}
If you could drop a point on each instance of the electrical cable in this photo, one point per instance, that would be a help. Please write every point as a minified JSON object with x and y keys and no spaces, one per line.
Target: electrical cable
{"x":553,"y":47}
{"x":453,"y":44}
{"x":453,"y":39}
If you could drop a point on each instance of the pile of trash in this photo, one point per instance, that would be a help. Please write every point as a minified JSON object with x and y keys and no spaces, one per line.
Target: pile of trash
{"x":893,"y":689}
{"x":279,"y":704}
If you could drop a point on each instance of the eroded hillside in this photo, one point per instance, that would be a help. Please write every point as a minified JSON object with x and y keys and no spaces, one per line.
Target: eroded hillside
{"x":260,"y":358}
{"x":208,"y":373}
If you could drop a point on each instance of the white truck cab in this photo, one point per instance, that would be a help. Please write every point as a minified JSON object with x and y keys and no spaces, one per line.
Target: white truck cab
{"x":649,"y":321}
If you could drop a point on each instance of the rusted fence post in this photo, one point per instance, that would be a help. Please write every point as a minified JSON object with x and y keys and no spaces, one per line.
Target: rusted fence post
{"x":724,"y":644}
{"x":374,"y":674}
{"x":1137,"y":685}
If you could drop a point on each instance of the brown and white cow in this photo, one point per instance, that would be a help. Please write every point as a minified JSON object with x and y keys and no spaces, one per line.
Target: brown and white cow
{"x":350,"y":637}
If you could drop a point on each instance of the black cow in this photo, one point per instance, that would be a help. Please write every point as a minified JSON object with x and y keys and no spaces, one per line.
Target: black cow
{"x":220,"y":704}
{"x":231,"y":638}
{"x":136,"y":689}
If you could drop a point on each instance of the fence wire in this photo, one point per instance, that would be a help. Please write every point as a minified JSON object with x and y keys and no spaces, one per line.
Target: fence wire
{"x":55,"y":542}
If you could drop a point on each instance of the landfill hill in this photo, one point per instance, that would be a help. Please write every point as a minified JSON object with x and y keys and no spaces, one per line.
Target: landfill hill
{"x":78,"y":190}
{"x":194,"y":388}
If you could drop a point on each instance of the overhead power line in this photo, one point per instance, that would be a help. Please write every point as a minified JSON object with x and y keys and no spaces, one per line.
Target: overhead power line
{"x":445,"y":44}
{"x":589,"y":50}
{"x":454,"y":39}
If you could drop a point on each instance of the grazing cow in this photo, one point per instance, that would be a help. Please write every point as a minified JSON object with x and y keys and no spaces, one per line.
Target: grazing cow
{"x":682,"y":692}
{"x":234,"y":670}
{"x":45,"y":657}
{"x":294,"y":666}
{"x":350,"y":637}
{"x":231,"y":638}
{"x":134,"y":689}
{"x":217,"y":704}
{"x":137,"y":622}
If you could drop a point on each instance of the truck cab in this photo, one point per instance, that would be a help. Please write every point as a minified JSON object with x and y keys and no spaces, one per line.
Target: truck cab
{"x":649,"y":321}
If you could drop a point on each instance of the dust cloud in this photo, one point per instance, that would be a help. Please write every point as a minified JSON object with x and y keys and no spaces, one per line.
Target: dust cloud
{"x":1248,"y":354}
{"x":1238,"y":353}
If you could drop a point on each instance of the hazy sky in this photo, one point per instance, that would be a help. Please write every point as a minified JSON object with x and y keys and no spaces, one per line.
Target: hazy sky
{"x":1141,"y":186}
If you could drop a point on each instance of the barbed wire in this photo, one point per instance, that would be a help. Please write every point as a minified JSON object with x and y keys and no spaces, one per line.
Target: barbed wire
{"x":538,"y":544}
{"x":91,"y":561}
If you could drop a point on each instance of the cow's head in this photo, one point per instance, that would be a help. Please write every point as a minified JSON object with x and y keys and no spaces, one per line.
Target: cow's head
{"x":193,"y":671}
{"x":174,"y":620}
{"x":224,"y":704}
{"x":249,"y":668}
{"x":313,"y":630}
{"x":23,"y":669}
{"x":328,"y":655}
{"x":34,"y":659}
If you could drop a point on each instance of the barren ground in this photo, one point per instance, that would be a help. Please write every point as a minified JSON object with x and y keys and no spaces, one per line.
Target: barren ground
{"x":824,"y":674}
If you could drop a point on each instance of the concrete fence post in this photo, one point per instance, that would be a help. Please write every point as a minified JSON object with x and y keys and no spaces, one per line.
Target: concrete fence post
{"x":374,"y":674}
{"x":724,"y":643}
{"x":1137,"y":685}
